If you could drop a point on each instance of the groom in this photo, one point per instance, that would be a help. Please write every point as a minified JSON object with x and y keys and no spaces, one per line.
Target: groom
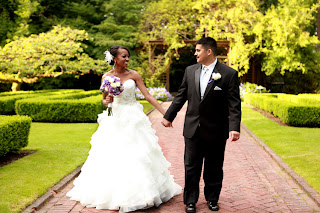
{"x":214,"y":113}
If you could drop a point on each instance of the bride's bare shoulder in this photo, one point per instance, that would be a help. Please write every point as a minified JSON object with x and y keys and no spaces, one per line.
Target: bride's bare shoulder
{"x":134,"y":74}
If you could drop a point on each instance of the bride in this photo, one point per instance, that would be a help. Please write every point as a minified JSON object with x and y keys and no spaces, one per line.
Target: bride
{"x":125,"y":169}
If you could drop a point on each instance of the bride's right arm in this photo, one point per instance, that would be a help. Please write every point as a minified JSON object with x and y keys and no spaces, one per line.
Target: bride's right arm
{"x":146,"y":94}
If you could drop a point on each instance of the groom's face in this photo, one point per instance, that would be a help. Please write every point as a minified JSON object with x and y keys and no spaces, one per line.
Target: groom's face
{"x":201,"y":54}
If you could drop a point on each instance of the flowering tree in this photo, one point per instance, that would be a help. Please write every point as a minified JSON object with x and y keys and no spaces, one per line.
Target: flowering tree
{"x":47,"y":54}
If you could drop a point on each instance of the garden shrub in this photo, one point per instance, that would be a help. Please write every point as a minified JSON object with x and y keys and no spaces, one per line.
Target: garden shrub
{"x":14,"y":132}
{"x":65,"y":110}
{"x":291,"y":109}
{"x":8,"y":99}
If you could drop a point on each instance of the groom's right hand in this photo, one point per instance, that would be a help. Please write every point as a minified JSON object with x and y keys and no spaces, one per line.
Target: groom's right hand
{"x":166,"y":123}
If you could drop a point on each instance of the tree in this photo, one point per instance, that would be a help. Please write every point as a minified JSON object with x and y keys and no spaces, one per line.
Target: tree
{"x":286,"y":42}
{"x":280,"y":33}
{"x":118,"y":27}
{"x":172,"y":22}
{"x":47,"y":54}
{"x":232,"y":20}
{"x":14,"y":18}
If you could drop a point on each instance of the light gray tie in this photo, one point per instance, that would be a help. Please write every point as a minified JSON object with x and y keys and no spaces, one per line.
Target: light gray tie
{"x":203,"y":80}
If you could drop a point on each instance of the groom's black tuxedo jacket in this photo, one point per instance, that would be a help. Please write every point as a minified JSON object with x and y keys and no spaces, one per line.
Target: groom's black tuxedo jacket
{"x":220,"y":109}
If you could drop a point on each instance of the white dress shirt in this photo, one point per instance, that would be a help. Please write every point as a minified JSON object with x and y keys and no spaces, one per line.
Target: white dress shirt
{"x":205,"y":76}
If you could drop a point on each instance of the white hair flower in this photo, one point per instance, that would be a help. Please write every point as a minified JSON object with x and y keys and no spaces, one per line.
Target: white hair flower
{"x":108,"y":57}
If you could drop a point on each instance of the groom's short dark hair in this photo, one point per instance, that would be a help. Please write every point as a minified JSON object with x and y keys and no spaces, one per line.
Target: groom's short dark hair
{"x":208,"y":43}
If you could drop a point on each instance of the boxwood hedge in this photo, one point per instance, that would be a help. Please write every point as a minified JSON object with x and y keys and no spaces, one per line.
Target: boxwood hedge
{"x":8,"y":99}
{"x":294,"y":110}
{"x":50,"y":109}
{"x":14,"y":132}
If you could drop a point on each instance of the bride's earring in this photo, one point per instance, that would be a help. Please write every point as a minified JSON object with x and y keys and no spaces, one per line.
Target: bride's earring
{"x":114,"y":65}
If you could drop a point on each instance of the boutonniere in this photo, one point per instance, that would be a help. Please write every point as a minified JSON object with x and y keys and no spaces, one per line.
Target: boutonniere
{"x":215,"y":76}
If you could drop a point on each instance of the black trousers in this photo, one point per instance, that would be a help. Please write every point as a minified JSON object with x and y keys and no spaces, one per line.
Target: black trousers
{"x":211,"y":152}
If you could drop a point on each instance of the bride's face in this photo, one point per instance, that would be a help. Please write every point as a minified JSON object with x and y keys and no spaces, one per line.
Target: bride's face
{"x":122,"y":58}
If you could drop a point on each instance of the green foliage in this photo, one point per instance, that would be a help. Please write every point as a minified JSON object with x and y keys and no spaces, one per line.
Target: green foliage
{"x":7,"y":24}
{"x":281,"y":32}
{"x":294,"y":113}
{"x":295,"y":82}
{"x":299,"y":147}
{"x":288,"y":46}
{"x":7,"y":104}
{"x":8,"y":99}
{"x":118,"y":27}
{"x":14,"y":132}
{"x":60,"y":149}
{"x":107,"y":22}
{"x":14,"y":18}
{"x":52,"y":53}
{"x":170,"y":24}
{"x":232,"y":20}
{"x":67,"y":108}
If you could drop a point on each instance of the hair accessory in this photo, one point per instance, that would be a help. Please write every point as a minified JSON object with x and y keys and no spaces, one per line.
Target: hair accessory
{"x":108,"y":57}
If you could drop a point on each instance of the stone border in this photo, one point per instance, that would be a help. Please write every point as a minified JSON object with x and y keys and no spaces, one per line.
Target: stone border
{"x":38,"y":203}
{"x":300,"y":181}
{"x":41,"y":201}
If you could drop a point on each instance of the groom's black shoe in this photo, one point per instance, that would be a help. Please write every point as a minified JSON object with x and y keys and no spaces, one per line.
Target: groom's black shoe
{"x":191,"y":208}
{"x":213,"y":206}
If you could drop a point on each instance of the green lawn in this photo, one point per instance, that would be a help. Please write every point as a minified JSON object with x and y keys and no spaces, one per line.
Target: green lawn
{"x":60,"y":148}
{"x":298,"y":147}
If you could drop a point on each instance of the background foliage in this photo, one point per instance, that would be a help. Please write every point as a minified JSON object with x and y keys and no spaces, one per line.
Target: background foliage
{"x":279,"y":35}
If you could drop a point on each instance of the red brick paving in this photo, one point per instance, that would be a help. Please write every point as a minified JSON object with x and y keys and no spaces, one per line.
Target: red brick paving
{"x":253,"y":181}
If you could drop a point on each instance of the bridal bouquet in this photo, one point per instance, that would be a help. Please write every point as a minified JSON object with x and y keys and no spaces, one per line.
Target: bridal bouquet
{"x":113,"y":86}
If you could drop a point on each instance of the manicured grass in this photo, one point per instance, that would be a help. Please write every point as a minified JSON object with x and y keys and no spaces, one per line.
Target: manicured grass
{"x":298,"y":147}
{"x":60,"y":148}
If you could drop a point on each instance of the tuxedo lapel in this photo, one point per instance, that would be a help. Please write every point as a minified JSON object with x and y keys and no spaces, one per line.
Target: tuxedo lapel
{"x":197,"y":80}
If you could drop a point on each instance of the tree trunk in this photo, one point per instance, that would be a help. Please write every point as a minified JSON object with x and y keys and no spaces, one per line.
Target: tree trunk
{"x":16,"y":86}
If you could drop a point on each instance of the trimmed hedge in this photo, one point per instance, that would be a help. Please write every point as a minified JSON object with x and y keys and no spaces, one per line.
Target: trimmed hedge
{"x":85,"y":109}
{"x":291,"y":109}
{"x":60,"y":91}
{"x":14,"y":132}
{"x":8,"y":99}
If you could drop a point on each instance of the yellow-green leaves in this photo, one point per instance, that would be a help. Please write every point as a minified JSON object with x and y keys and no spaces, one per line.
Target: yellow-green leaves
{"x":56,"y":51}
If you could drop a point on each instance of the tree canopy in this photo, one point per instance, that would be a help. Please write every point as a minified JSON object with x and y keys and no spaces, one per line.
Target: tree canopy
{"x":281,"y":34}
{"x":47,"y":54}
{"x":280,"y":31}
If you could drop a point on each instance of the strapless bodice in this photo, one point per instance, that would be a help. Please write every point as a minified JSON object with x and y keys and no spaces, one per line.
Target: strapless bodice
{"x":128,"y":94}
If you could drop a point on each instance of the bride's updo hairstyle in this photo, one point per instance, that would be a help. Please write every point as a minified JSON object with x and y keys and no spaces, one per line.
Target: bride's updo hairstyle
{"x":114,"y":52}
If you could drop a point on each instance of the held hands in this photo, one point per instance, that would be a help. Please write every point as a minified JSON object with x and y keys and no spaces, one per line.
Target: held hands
{"x":107,"y":100}
{"x":234,"y":136}
{"x":166,"y":123}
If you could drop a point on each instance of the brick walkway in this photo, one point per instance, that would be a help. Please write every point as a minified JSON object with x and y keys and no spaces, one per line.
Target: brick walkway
{"x":253,"y":182}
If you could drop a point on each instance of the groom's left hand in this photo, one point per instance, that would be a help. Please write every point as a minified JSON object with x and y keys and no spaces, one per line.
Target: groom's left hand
{"x":234,"y":135}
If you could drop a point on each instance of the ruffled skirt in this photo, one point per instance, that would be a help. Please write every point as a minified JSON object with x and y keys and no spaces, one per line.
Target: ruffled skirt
{"x":125,"y":169}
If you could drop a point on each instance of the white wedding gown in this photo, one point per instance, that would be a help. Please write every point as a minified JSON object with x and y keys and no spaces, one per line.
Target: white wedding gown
{"x":125,"y":169}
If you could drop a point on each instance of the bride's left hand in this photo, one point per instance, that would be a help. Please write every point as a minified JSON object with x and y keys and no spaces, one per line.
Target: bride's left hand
{"x":107,"y":100}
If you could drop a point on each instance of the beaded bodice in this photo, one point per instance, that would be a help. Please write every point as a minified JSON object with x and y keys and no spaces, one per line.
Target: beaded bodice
{"x":128,"y":94}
